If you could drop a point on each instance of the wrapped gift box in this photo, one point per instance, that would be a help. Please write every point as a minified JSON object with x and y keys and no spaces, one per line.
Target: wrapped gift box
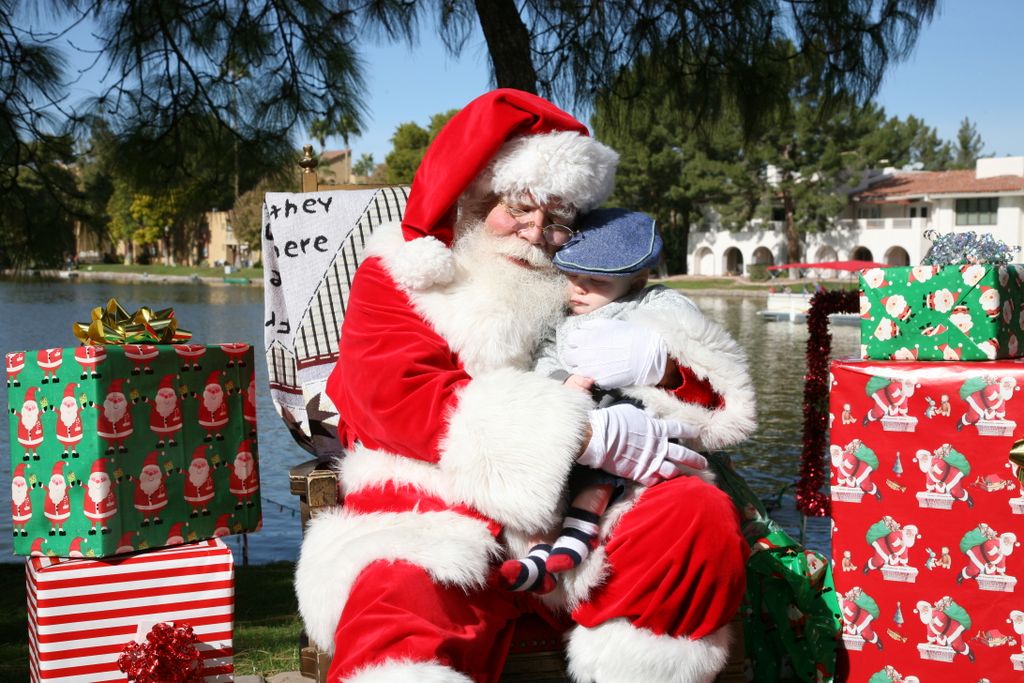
{"x":968,"y":312}
{"x":121,"y":448}
{"x":927,"y":513}
{"x":82,"y":613}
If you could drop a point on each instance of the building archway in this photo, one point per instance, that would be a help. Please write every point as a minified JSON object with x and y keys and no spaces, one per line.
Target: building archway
{"x":897,"y":256}
{"x":703,"y":261}
{"x":825,"y":254}
{"x":861,"y":254}
{"x":763,"y":255}
{"x":732,"y":261}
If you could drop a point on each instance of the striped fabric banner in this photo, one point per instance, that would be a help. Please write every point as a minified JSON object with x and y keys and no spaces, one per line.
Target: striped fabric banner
{"x":82,"y":612}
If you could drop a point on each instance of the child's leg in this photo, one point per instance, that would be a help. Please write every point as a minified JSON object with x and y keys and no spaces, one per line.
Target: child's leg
{"x":580,"y":529}
{"x":529,"y":573}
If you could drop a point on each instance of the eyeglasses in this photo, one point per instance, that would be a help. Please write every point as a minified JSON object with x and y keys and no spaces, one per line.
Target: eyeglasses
{"x":555,"y":234}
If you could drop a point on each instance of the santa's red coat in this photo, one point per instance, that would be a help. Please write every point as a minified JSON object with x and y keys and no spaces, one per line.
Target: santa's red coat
{"x":165,"y":424}
{"x":116,"y":431}
{"x":151,"y":502}
{"x":212,"y":419}
{"x":71,"y":434}
{"x":104,"y":509}
{"x":15,"y":363}
{"x":32,"y":436}
{"x":90,"y":356}
{"x":244,"y":487}
{"x":21,"y":513}
{"x":202,"y":493}
{"x":59,"y":511}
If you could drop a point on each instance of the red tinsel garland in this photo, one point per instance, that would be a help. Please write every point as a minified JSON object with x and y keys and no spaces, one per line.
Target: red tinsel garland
{"x":810,"y":499}
{"x":167,"y":656}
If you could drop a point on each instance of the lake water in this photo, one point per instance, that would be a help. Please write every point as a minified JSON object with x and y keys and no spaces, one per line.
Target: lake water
{"x":39,"y":314}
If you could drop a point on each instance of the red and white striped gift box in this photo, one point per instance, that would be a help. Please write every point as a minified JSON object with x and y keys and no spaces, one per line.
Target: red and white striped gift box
{"x":82,"y":612}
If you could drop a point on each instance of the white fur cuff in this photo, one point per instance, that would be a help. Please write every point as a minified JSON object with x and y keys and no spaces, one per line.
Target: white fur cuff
{"x":414,"y":265}
{"x":618,"y":652}
{"x":510,"y":444}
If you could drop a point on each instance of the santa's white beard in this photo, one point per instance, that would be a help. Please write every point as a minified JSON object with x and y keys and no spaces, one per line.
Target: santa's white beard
{"x":19,"y":491}
{"x":68,"y":412}
{"x":57,"y":490}
{"x":212,"y":399}
{"x":149,"y":482}
{"x":501,"y":310}
{"x":165,"y":404}
{"x":243,"y":467}
{"x":29,"y":416}
{"x":99,"y":490}
{"x":114,"y":410}
{"x":198,"y":474}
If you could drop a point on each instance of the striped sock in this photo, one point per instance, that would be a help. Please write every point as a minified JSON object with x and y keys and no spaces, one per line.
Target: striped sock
{"x":578,"y":536}
{"x":528,"y":574}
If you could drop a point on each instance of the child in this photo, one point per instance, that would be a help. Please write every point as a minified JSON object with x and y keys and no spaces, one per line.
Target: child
{"x":607,"y":263}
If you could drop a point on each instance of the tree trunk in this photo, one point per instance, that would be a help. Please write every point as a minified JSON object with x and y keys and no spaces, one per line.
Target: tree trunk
{"x":792,"y":236}
{"x":508,"y":43}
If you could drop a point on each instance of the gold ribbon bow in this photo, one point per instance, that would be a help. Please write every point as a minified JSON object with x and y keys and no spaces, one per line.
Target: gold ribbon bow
{"x":1017,"y":458}
{"x":114,"y":325}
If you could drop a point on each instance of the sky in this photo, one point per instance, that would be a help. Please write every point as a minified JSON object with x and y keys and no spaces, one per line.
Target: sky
{"x":966,"y":63}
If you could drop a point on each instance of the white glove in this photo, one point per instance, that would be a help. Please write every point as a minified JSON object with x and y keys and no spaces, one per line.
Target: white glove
{"x":629,"y":443}
{"x":615,"y":353}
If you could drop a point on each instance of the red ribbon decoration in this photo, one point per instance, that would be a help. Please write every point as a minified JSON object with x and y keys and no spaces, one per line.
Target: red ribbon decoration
{"x":810,"y":499}
{"x":167,"y":656}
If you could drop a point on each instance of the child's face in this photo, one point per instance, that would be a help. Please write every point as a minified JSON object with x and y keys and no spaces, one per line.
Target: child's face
{"x":590,"y":292}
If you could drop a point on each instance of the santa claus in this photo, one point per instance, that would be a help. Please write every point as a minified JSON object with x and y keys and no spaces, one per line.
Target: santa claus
{"x":986,"y":399}
{"x":213,"y":410}
{"x":30,"y":425}
{"x":947,"y":624}
{"x":150,"y":491}
{"x":21,"y":501}
{"x":244,"y":481}
{"x":891,"y":543}
{"x":49,"y":361}
{"x":859,"y":609}
{"x":945,"y":472}
{"x":176,"y":534}
{"x":57,"y":507}
{"x":235,"y":351}
{"x":457,"y":453}
{"x":142,"y":357}
{"x":15,"y":363}
{"x":75,"y":548}
{"x":190,"y":356}
{"x":853,"y":466}
{"x":222,"y":527}
{"x":986,"y":552}
{"x":941,"y":300}
{"x":37,"y":548}
{"x":199,"y":488}
{"x":249,"y":406}
{"x":69,"y":422}
{"x":165,"y":413}
{"x":99,"y":503}
{"x":891,"y":397}
{"x":114,"y":422}
{"x":1016,"y":620}
{"x":90,"y":357}
{"x":125,"y":544}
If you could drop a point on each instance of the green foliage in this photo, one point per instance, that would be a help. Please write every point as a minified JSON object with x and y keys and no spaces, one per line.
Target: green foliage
{"x":364,"y":166}
{"x":409,"y":144}
{"x":968,"y":145}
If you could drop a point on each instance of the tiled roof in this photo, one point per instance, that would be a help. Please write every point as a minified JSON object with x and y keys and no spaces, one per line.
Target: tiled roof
{"x":332,"y":153}
{"x":938,"y":182}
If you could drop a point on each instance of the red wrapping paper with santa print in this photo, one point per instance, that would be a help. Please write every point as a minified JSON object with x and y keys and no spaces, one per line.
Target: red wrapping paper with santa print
{"x":118,"y":448}
{"x":82,"y":613}
{"x":927,"y":519}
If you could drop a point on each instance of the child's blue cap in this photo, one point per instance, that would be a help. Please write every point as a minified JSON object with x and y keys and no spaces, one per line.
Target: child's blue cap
{"x":611,"y":242}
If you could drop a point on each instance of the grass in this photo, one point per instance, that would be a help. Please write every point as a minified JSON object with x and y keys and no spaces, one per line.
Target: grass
{"x":266,"y":632}
{"x":157,"y":269}
{"x":686,"y":282}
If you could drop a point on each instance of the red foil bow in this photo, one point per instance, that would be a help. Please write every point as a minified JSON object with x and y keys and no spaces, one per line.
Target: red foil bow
{"x":167,"y":656}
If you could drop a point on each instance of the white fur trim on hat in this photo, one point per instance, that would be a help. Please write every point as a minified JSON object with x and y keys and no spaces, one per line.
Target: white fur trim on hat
{"x":618,"y":652}
{"x":453,"y":548}
{"x":574,"y":168}
{"x":415,"y":264}
{"x":403,"y":671}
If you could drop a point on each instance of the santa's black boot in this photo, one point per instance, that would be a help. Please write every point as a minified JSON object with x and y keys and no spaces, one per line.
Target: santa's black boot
{"x":157,"y":520}
{"x":110,"y":450}
{"x":172,"y":443}
{"x":207,"y":439}
{"x":206,"y":513}
{"x":195,"y":513}
{"x":92,"y":531}
{"x":122,"y":449}
{"x":65,"y":455}
{"x":106,"y":530}
{"x":148,"y":370}
{"x":145,"y":522}
{"x":44,"y":380}
{"x":220,"y":437}
{"x":24,"y":533}
{"x":62,"y":533}
{"x":35,"y":456}
{"x":74,"y":453}
{"x":55,"y":379}
{"x":53,"y":532}
{"x":249,"y":504}
{"x":84,"y":375}
{"x":136,"y":371}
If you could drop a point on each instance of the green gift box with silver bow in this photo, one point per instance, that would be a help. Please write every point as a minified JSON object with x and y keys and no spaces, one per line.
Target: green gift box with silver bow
{"x":942,"y":312}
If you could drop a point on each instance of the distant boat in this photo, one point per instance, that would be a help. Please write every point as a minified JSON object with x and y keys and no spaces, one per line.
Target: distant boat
{"x":792,"y":307}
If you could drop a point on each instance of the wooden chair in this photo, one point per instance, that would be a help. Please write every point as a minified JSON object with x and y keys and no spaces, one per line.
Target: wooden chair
{"x":297,"y":372}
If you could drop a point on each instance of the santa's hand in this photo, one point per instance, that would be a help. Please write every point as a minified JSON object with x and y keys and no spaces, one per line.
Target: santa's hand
{"x":615,"y":353}
{"x":629,"y":443}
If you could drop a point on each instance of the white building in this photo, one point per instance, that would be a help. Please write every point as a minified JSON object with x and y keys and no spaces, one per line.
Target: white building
{"x":885,"y":220}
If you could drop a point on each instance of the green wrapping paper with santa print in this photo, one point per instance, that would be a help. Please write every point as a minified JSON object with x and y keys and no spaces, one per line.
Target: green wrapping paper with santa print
{"x":956,"y":312}
{"x":118,"y":448}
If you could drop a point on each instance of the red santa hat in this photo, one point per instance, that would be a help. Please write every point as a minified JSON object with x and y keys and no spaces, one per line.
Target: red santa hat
{"x":99,"y":465}
{"x":76,"y":546}
{"x":503,"y":142}
{"x":150,"y":460}
{"x":30,"y":395}
{"x":167,"y":382}
{"x":58,"y":469}
{"x":69,"y":389}
{"x":37,"y":547}
{"x":175,"y":533}
{"x":19,"y":471}
{"x":115,"y":386}
{"x":221,"y":527}
{"x":125,"y":544}
{"x":213,"y":378}
{"x":245,"y":447}
{"x":199,"y":453}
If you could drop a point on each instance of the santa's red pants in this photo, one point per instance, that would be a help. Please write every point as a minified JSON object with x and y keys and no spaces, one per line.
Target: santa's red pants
{"x":676,"y":561}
